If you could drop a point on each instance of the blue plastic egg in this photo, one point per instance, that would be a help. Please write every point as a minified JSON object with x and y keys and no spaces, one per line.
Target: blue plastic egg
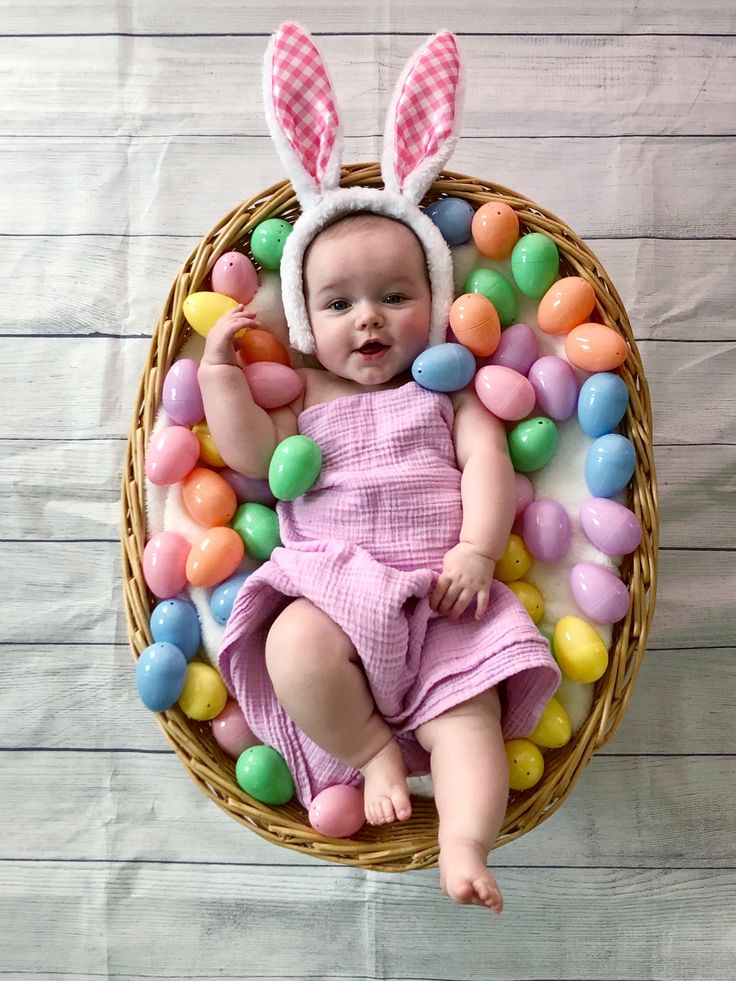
{"x":175,"y":621}
{"x":453,"y":217}
{"x":159,"y":676}
{"x":602,"y":403}
{"x":222,"y":599}
{"x":609,"y":465}
{"x":444,"y":368}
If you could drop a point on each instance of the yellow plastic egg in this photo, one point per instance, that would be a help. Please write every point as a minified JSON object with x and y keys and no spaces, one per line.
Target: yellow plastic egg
{"x":553,"y":729}
{"x":207,"y":449}
{"x":531,"y":598}
{"x":515,"y":562}
{"x":567,"y":303}
{"x":526,"y":764}
{"x":579,"y":650}
{"x":204,"y":694}
{"x":203,"y":310}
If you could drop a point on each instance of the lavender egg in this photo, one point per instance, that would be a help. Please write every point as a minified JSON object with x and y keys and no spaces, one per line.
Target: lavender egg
{"x":546,"y":530}
{"x":181,"y":397}
{"x":601,"y":595}
{"x":610,"y":526}
{"x":556,"y":387}
{"x":517,"y":349}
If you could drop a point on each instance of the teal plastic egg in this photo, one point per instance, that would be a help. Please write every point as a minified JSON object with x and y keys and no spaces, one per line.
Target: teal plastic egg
{"x":268,"y":240}
{"x":532,"y":444}
{"x":258,"y":526}
{"x":160,"y":673}
{"x":294,"y":467}
{"x":535,"y":264}
{"x":263,"y":773}
{"x":444,"y":368}
{"x":175,"y":621}
{"x":498,"y":290}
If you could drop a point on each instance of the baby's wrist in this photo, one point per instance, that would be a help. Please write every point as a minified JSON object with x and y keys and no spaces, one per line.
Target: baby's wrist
{"x":479,"y":550}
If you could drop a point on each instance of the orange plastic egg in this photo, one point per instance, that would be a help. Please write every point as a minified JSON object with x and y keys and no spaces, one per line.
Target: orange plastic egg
{"x":495,"y":230}
{"x":567,"y":303}
{"x":595,"y":347}
{"x":215,"y":557}
{"x":475,"y":323}
{"x":260,"y":345}
{"x":208,"y":497}
{"x":207,"y":449}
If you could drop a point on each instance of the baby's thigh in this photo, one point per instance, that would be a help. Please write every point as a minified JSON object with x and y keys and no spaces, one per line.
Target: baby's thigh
{"x":304,"y":644}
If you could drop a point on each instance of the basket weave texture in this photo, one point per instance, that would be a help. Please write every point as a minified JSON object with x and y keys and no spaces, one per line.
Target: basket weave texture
{"x":412,"y":844}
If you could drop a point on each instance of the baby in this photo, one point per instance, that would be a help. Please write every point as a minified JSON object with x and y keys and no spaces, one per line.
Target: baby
{"x":433,"y":475}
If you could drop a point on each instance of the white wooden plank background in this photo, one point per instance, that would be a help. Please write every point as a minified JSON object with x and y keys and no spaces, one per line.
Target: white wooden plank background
{"x":126,"y":130}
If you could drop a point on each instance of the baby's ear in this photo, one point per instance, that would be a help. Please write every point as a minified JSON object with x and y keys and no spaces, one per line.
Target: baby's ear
{"x":423,"y":118}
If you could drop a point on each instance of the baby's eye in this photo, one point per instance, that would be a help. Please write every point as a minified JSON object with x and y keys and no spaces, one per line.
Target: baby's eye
{"x":338,"y":305}
{"x":393,"y":298}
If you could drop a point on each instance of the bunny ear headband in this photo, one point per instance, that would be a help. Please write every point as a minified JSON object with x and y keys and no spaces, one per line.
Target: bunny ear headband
{"x":423,"y":119}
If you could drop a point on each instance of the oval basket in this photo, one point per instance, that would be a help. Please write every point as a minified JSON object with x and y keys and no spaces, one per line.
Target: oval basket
{"x":411,"y":844}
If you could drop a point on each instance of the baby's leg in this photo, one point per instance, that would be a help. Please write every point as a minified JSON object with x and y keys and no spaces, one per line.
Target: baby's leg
{"x":319,"y":681}
{"x":470,"y":775}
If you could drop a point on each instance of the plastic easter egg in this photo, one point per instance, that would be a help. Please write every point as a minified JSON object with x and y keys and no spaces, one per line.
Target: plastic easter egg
{"x":223,"y":597}
{"x":248,"y":488}
{"x":444,"y":368}
{"x":181,"y":396}
{"x":235,"y":275}
{"x":555,"y":386}
{"x":567,"y":303}
{"x":526,"y":764}
{"x":338,"y":811}
{"x":532,"y":444}
{"x":475,"y":324}
{"x":495,"y":230}
{"x":535,"y":264}
{"x":530,"y":597}
{"x":208,"y":452}
{"x":231,"y":732}
{"x":214,"y":557}
{"x":524,"y":493}
{"x":602,"y":403}
{"x":272,"y":385}
{"x":208,"y":498}
{"x":504,"y":392}
{"x":261,"y":345}
{"x":577,"y":700}
{"x":497,"y":289}
{"x":609,"y":465}
{"x":518,"y":348}
{"x":175,"y":621}
{"x":515,"y":561}
{"x":204,"y":694}
{"x":553,"y":729}
{"x":258,"y":527}
{"x":611,"y":527}
{"x":171,"y":455}
{"x":547,"y":530}
{"x":263,"y":773}
{"x":579,"y":650}
{"x":203,"y":310}
{"x":159,"y":676}
{"x":164,"y":564}
{"x":595,"y":347}
{"x":600,"y":594}
{"x":294,"y":467}
{"x":267,"y":241}
{"x":453,"y":217}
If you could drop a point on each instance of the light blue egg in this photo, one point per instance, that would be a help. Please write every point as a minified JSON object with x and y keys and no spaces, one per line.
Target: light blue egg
{"x":609,"y":465}
{"x":159,"y":676}
{"x":444,"y":368}
{"x":453,"y":217}
{"x":222,"y":599}
{"x":602,"y":403}
{"x":175,"y":621}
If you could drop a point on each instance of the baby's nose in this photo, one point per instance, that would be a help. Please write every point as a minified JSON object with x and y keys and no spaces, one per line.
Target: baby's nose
{"x":369,"y":315}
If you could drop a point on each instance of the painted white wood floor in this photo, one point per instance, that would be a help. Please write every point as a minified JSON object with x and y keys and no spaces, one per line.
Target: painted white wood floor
{"x":126,"y":130}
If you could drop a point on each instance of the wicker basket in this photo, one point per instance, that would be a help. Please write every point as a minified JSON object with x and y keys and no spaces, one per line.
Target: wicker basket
{"x":411,"y":844}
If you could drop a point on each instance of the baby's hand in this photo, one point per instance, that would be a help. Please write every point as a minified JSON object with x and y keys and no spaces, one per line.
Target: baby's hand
{"x":221,"y":344}
{"x":466,"y":573}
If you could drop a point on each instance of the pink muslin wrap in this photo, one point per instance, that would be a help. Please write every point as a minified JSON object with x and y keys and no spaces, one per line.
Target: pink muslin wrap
{"x":365,"y":544}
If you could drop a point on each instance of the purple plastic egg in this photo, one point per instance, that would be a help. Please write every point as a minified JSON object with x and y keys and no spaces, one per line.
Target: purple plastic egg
{"x":546,"y":530}
{"x":248,"y":489}
{"x":556,"y":387}
{"x":517,"y":349}
{"x":504,"y":392}
{"x":610,"y":526}
{"x":600,"y":594}
{"x":524,"y":493}
{"x":181,"y":396}
{"x":235,"y":275}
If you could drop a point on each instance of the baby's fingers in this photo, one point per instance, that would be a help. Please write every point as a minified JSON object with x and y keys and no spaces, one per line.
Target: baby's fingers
{"x":439,"y":591}
{"x":461,"y":604}
{"x":482,"y":602}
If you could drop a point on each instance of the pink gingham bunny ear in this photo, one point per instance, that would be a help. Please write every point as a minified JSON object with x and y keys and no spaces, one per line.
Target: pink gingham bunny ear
{"x":302,"y":113}
{"x":423,"y":118}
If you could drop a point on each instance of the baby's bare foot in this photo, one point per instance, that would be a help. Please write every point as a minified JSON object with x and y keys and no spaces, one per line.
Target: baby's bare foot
{"x":464,"y":875}
{"x":386,"y":794}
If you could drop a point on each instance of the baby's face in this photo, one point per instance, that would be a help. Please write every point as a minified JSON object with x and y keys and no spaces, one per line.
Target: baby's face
{"x":368,"y":300}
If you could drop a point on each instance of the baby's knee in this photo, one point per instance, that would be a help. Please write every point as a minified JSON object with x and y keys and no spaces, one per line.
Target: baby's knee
{"x":304,"y":646}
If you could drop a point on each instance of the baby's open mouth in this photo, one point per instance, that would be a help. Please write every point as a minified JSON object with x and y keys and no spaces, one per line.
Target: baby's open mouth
{"x":372,"y":347}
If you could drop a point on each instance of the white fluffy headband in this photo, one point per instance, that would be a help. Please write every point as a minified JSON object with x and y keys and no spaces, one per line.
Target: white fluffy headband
{"x":422,"y":123}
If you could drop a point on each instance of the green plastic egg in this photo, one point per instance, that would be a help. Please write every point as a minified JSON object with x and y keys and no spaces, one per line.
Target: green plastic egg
{"x":258,"y":526}
{"x":294,"y":467}
{"x":267,"y":241}
{"x":535,"y":263}
{"x":497,"y":289}
{"x":532,"y":444}
{"x":263,"y":773}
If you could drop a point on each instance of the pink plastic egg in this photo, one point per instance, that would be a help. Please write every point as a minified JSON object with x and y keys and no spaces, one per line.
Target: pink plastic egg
{"x":601,"y":596}
{"x":181,"y":396}
{"x":337,"y":811}
{"x":556,"y":387}
{"x":164,"y":564}
{"x":595,"y":347}
{"x":171,"y":455}
{"x":610,"y":526}
{"x":253,"y":489}
{"x":231,"y":732}
{"x":272,"y":385}
{"x":524,"y":493}
{"x":235,"y":275}
{"x":518,"y":348}
{"x":546,"y":530}
{"x":504,"y":392}
{"x":214,"y":557}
